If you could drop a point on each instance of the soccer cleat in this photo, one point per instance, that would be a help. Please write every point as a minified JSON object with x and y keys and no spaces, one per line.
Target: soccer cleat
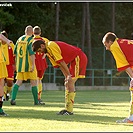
{"x":40,"y":103}
{"x":64,"y":112}
{"x":3,"y":114}
{"x":126,"y":120}
{"x":4,"y":99}
{"x":7,"y":96}
{"x":13,"y":102}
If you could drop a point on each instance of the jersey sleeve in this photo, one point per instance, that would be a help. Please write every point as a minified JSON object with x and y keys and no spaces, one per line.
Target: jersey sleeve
{"x":31,"y":52}
{"x":55,"y":51}
{"x":121,"y":61}
{"x":54,"y":54}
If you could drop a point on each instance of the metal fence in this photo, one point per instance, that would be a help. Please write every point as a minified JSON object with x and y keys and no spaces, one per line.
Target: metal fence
{"x":94,"y":77}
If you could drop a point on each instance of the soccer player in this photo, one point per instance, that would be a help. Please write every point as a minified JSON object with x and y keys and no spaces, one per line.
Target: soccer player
{"x":61,"y":55}
{"x":25,"y":64}
{"x":40,"y":61}
{"x":9,"y":57}
{"x":122,"y":51}
{"x":3,"y":72}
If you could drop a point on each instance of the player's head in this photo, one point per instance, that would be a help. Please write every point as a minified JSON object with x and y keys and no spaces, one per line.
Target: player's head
{"x":108,"y":39}
{"x":29,"y":30}
{"x":5,"y":34}
{"x":37,"y":30}
{"x":39,"y":46}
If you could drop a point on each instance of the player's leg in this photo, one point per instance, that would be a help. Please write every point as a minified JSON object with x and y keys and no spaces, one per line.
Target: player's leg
{"x":2,"y":113}
{"x":5,"y":92}
{"x":8,"y":88}
{"x":33,"y":80}
{"x":70,"y":88}
{"x":9,"y":80}
{"x":131,"y":103}
{"x":40,"y":86}
{"x":70,"y":95}
{"x":3,"y":75}
{"x":34,"y":90}
{"x":15,"y":91}
{"x":69,"y":98}
{"x":130,"y":118}
{"x":77,"y":70}
{"x":19,"y":79}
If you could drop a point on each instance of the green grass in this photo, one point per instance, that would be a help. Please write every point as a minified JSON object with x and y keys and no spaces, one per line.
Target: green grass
{"x":93,"y":111}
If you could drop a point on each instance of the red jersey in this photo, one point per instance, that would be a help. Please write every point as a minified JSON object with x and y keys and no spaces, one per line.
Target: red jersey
{"x":41,"y":63}
{"x":122,"y":50}
{"x":59,"y":51}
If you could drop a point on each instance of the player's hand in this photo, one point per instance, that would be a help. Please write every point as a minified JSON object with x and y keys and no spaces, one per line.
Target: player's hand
{"x":9,"y":41}
{"x":68,"y":79}
{"x":32,"y":68}
{"x":44,"y":56}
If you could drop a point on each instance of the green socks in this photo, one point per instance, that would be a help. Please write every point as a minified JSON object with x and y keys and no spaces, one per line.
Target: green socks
{"x":14,"y":91}
{"x":35,"y":94}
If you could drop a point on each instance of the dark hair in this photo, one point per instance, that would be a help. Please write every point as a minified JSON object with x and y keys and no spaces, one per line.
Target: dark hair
{"x":37,"y":44}
{"x":4,"y":33}
{"x":110,"y":36}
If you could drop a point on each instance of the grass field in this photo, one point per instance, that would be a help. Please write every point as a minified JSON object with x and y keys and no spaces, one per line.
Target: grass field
{"x":94,"y":111}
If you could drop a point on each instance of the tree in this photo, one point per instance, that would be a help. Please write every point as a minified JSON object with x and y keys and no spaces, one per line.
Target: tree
{"x":6,"y":19}
{"x":57,"y":21}
{"x":83,"y":26}
{"x":88,"y":34}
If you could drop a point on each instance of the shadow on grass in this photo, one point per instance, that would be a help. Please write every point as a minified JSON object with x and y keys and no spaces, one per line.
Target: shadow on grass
{"x":26,"y":110}
{"x":51,"y":115}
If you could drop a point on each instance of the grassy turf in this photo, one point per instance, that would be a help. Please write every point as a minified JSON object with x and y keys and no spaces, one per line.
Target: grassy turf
{"x":93,"y":111}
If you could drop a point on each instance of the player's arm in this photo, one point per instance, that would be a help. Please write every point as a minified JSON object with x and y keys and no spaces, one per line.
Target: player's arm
{"x":3,"y":38}
{"x":65,"y":70}
{"x":32,"y":57}
{"x":129,"y":71}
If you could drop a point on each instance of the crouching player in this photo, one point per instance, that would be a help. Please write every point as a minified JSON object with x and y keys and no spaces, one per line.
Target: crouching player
{"x":122,"y":51}
{"x":61,"y":55}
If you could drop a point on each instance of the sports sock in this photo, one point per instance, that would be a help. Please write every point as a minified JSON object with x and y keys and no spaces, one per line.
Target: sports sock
{"x":14,"y":91}
{"x":131,"y":105}
{"x":39,"y":91}
{"x":9,"y":89}
{"x":5,"y":91}
{"x":35,"y":94}
{"x":66,"y":98}
{"x":71,"y":96}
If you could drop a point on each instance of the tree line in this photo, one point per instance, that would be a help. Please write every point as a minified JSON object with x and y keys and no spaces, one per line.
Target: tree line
{"x":82,"y":24}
